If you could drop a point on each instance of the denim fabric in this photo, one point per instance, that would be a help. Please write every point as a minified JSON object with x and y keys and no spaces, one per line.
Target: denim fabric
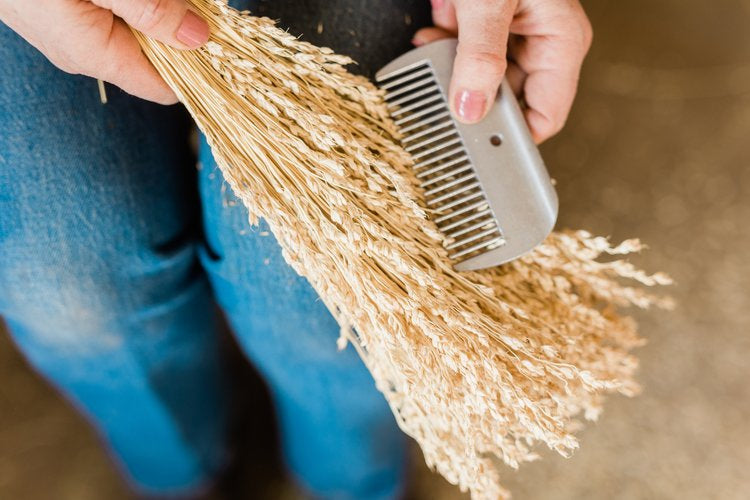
{"x":113,"y":251}
{"x":100,"y":282}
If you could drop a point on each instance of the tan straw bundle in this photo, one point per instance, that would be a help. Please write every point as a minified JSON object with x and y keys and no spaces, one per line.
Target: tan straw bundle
{"x":474,"y":365}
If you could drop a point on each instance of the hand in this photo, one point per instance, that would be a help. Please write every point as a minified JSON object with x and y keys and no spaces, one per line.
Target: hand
{"x":92,"y":38}
{"x":548,"y":42}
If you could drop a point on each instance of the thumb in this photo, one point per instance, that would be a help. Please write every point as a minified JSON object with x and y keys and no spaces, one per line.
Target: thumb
{"x":480,"y":60}
{"x":169,"y":21}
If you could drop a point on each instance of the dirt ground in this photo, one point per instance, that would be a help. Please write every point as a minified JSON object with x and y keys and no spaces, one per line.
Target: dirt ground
{"x":656,"y":147}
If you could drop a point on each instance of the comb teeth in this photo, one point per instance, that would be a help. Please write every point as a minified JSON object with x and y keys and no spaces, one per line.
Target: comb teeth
{"x":443,"y":165}
{"x":485,"y":185}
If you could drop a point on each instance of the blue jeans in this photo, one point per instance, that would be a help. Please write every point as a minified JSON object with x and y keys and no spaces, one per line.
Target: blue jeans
{"x":113,"y":251}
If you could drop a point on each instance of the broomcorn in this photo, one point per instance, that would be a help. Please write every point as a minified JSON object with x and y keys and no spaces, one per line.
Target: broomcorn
{"x":474,"y":365}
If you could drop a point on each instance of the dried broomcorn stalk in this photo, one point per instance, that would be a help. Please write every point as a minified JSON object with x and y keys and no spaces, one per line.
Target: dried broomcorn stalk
{"x":474,"y":365}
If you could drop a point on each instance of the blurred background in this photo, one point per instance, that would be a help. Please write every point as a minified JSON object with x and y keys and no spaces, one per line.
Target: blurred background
{"x":656,"y":147}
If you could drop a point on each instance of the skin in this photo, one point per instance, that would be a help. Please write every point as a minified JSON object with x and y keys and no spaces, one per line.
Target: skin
{"x":545,"y":40}
{"x":92,"y":38}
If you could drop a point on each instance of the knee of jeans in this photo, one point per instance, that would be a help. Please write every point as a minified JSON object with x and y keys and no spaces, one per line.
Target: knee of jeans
{"x":76,"y":297}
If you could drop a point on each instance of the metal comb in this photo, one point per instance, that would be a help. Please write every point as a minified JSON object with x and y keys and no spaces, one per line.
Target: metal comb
{"x":485,"y":185}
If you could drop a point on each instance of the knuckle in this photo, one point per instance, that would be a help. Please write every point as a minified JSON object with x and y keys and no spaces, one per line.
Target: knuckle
{"x":557,"y":125}
{"x":587,"y":33}
{"x":109,"y":68}
{"x":549,"y":125}
{"x":150,"y":14}
{"x":557,"y":122}
{"x":63,"y":63}
{"x":490,"y":58}
{"x":579,"y":23}
{"x":62,"y":60}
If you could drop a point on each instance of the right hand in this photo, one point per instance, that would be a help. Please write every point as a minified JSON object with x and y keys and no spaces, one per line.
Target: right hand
{"x":92,"y":37}
{"x":549,"y":40}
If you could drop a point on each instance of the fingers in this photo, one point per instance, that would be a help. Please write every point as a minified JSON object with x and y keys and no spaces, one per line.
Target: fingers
{"x":169,"y":21}
{"x":551,"y":54}
{"x":483,"y":27}
{"x":446,"y":26}
{"x":81,"y":38}
{"x":444,"y":15}
{"x":551,"y":39}
{"x":118,"y":58}
{"x":429,"y":35}
{"x":548,"y":94}
{"x":122,"y":63}
{"x":516,"y":78}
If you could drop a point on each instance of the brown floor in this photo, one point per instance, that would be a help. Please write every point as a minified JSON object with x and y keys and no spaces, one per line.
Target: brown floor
{"x":657,"y":147}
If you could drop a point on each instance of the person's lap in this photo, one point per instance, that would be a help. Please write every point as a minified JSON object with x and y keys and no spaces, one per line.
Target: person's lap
{"x":98,"y":275}
{"x":103,"y":283}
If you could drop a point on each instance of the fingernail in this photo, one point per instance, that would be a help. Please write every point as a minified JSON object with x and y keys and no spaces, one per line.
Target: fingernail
{"x":417,"y":42}
{"x":470,"y":105}
{"x":193,"y":31}
{"x":437,"y":4}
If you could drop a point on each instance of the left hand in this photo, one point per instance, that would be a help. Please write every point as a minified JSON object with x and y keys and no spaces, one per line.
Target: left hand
{"x":548,"y":42}
{"x":93,"y":37}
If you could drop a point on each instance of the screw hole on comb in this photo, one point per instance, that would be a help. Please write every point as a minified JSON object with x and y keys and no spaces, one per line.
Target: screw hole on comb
{"x":496,"y":140}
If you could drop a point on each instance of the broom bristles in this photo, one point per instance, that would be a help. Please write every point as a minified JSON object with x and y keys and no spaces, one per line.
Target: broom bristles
{"x":474,"y":365}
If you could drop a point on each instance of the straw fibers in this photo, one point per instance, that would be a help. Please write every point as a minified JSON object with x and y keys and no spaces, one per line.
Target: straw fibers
{"x":476,"y":365}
